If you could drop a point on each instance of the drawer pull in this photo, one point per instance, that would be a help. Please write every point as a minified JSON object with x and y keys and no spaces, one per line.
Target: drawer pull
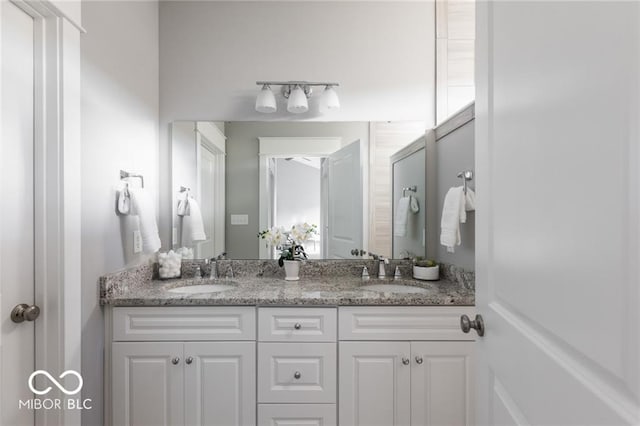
{"x":175,"y":360}
{"x":297,"y":326}
{"x":189,"y":360}
{"x":297,"y":375}
{"x":419,"y":360}
{"x":405,"y":361}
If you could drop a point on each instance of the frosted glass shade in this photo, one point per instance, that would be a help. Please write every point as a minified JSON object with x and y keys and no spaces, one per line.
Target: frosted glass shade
{"x":329,"y":99}
{"x":266,"y":101}
{"x":297,"y":101}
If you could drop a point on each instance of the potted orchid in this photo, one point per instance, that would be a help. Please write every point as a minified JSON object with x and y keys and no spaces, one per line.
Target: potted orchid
{"x":289,"y":242}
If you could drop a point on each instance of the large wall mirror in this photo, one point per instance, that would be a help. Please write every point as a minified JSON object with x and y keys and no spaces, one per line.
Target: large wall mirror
{"x":231,"y":180}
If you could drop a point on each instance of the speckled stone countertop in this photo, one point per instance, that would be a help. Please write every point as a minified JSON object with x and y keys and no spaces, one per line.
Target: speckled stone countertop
{"x":322,"y":283}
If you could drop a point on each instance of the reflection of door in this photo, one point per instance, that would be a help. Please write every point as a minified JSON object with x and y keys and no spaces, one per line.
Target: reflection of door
{"x":17,"y":211}
{"x":557,"y":247}
{"x":206,"y":248}
{"x":344,"y":207}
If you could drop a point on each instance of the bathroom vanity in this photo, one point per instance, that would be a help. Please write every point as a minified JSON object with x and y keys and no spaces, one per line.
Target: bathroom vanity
{"x":323,"y":351}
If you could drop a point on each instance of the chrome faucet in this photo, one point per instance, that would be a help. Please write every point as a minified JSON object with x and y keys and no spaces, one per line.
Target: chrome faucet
{"x":213,"y":271}
{"x":381,"y":269}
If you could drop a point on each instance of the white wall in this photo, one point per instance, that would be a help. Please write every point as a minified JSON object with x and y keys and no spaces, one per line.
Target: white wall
{"x":119,"y":131}
{"x":212,"y":53}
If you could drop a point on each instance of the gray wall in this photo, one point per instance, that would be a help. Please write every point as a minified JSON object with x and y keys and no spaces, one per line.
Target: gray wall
{"x":454,"y":153}
{"x":242,"y":194}
{"x":119,"y":131}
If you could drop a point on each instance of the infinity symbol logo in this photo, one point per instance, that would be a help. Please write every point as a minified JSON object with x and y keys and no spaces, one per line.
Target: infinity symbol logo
{"x":55,"y":382}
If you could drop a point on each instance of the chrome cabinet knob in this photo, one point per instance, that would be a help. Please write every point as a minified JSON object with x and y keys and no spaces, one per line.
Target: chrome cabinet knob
{"x":189,"y":360}
{"x":405,"y":361}
{"x":467,"y":324}
{"x":175,"y":360}
{"x":24,"y":312}
{"x":297,"y":375}
{"x":419,"y":360}
{"x":297,"y":326}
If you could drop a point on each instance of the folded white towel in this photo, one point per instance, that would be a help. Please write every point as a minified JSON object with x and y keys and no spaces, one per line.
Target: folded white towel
{"x":401,"y":218}
{"x":124,"y":203}
{"x":197,"y":225}
{"x":142,"y":206}
{"x":453,"y":214}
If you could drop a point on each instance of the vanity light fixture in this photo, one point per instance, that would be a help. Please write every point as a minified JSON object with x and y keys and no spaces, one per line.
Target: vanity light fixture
{"x":297,"y":94}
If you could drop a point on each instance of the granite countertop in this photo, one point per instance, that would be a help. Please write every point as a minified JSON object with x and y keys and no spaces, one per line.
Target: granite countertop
{"x":136,"y":287}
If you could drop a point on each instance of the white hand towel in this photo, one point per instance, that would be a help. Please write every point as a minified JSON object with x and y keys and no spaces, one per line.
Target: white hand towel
{"x":470,"y":200}
{"x":197,"y":225}
{"x":453,"y":214}
{"x":183,"y":204}
{"x":142,"y":206}
{"x":124,"y":204}
{"x":402,"y":216}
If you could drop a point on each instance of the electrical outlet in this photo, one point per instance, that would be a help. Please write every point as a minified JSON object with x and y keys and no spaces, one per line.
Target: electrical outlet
{"x":174,"y":237}
{"x":239,"y":219}
{"x":137,"y":242}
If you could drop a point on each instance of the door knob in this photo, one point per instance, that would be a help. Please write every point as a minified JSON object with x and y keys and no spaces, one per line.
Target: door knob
{"x":175,"y":360}
{"x":297,"y":375}
{"x":297,"y":326}
{"x":189,"y":360}
{"x":419,"y":360}
{"x":405,"y":361}
{"x":478,"y":324}
{"x":24,"y":312}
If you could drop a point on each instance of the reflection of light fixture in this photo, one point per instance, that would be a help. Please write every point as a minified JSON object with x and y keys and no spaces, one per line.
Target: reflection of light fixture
{"x":329,"y":99}
{"x":266,"y":100}
{"x":297,"y":93}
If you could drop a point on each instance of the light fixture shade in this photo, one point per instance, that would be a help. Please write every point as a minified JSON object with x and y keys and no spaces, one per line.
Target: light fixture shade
{"x":297,"y":101}
{"x":266,"y":101}
{"x":329,"y":99}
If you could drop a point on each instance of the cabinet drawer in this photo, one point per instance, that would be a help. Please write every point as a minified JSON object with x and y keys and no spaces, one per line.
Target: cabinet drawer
{"x":403,"y":323}
{"x":297,"y":324}
{"x":296,"y":414}
{"x":184,"y":323}
{"x":291,"y":372}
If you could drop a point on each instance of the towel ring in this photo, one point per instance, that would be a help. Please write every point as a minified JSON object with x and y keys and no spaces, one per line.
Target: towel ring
{"x":413,"y":188}
{"x":466,"y":176}
{"x":126,"y":175}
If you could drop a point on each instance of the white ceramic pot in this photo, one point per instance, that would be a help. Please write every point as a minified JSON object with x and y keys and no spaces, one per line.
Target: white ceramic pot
{"x":291,"y":270}
{"x":428,"y":273}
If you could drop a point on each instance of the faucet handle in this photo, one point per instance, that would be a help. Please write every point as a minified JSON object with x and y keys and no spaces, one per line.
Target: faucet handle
{"x":365,"y":273}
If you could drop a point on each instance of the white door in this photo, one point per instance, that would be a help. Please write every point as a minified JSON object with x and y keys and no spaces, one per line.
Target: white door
{"x":16,"y":211}
{"x":147,"y":384}
{"x":374,"y":384}
{"x":558,"y":186}
{"x":344,"y":192}
{"x":442,"y":384}
{"x":220,"y":383}
{"x":206,"y":249}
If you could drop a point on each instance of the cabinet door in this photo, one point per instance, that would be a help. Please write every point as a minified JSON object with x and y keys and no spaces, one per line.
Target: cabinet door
{"x":442,"y":383}
{"x":220,"y":383}
{"x":374,"y":384}
{"x":147,"y":387}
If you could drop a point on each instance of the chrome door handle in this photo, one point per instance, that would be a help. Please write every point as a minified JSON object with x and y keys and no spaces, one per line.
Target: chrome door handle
{"x":297,"y":375}
{"x":175,"y":360}
{"x":24,"y":312}
{"x":419,"y":360}
{"x":189,"y":360}
{"x":297,"y":326}
{"x":405,"y":361}
{"x":478,"y":324}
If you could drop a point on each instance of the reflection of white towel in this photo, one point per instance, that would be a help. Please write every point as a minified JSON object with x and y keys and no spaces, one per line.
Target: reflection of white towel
{"x":453,"y":214}
{"x":142,"y":206}
{"x":197,"y":225}
{"x":470,"y":200}
{"x":402,"y":216}
{"x":183,"y":204}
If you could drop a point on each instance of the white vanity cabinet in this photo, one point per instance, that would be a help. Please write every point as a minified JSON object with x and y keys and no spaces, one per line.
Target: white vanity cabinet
{"x":405,"y":366}
{"x":297,"y":366}
{"x":182,"y":366}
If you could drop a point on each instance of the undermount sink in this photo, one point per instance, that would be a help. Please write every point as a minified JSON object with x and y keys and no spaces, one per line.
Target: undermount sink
{"x":394,"y":288}
{"x":201,"y":288}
